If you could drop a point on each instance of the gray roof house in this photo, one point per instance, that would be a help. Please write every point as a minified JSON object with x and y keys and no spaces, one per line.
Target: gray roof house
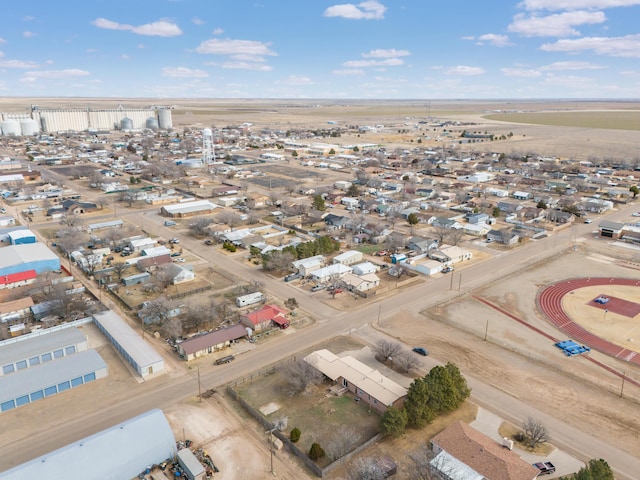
{"x":421,"y":244}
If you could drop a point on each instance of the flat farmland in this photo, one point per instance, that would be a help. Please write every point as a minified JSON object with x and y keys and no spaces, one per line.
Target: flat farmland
{"x":611,"y":120}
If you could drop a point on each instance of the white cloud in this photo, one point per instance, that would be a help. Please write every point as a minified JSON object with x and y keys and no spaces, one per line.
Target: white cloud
{"x":626,"y":47}
{"x":369,"y":10}
{"x":28,"y":18}
{"x":465,"y":70}
{"x":388,"y":53}
{"x":570,"y":81}
{"x":2,"y":40}
{"x":572,"y":65}
{"x":197,"y":21}
{"x":389,"y":62}
{"x":183,"y":72}
{"x":248,"y":58}
{"x":491,"y":39}
{"x":217,"y":31}
{"x":124,"y":56}
{"x":141,"y":45}
{"x":557,"y":25}
{"x":235,"y":47}
{"x":520,"y":72}
{"x":57,"y":74}
{"x":258,"y":67}
{"x":17,"y":64}
{"x":576,"y":4}
{"x":161,"y":28}
{"x":28,"y":34}
{"x":296,"y":80}
{"x":348,"y":71}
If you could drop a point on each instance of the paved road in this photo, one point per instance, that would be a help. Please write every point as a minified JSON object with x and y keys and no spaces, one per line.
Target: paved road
{"x":161,"y":392}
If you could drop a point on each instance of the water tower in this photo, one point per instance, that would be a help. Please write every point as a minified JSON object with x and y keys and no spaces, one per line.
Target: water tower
{"x":208,"y":152}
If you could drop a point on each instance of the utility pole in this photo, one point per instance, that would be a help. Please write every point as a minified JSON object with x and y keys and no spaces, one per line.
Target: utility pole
{"x":486,"y":330}
{"x":199,"y":391}
{"x":622,"y":387}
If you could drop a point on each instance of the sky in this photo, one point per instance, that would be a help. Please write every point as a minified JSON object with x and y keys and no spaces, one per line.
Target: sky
{"x":297,"y":49}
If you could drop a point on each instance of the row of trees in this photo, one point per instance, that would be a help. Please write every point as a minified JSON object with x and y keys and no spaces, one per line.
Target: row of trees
{"x":281,"y":260}
{"x":441,"y":391}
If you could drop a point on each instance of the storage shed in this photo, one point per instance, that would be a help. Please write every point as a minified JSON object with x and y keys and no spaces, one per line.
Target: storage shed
{"x":35,"y":349}
{"x":50,"y":378}
{"x":122,"y":451}
{"x":20,"y":237}
{"x":134,"y":349}
{"x":349,"y":257}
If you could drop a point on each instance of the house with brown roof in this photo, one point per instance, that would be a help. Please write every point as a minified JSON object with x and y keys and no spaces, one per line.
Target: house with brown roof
{"x":210,"y":342}
{"x":463,"y":453}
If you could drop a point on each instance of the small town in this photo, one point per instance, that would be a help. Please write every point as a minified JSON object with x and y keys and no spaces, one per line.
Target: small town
{"x":365,"y":240}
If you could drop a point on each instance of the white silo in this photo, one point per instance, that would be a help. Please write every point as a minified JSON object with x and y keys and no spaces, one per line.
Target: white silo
{"x":10,"y":127}
{"x":126,"y":124}
{"x":152,"y":123}
{"x":164,"y":119}
{"x":208,"y":153}
{"x":29,"y":127}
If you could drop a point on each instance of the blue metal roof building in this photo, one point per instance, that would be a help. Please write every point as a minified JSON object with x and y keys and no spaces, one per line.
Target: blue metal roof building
{"x":33,"y":256}
{"x":30,"y":350}
{"x":44,"y":380}
{"x":120,"y":452}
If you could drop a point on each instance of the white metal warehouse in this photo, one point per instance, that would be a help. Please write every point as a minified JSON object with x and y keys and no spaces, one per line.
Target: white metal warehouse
{"x":32,"y":384}
{"x":130,"y":345}
{"x":120,"y":452}
{"x":30,"y":350}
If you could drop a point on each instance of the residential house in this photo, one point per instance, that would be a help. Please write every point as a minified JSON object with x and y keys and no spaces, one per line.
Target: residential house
{"x":364,"y":268}
{"x":596,"y":205}
{"x":211,"y":342}
{"x":330,"y":272}
{"x":520,"y":195}
{"x":532,"y":213}
{"x":477,"y":229}
{"x":509,"y":207}
{"x":455,"y":253}
{"x":444,"y":222}
{"x":267,"y":316}
{"x":305,"y":266}
{"x":360,"y":283}
{"x":421,"y":244}
{"x":475,"y":218}
{"x":504,"y":236}
{"x":425,"y":192}
{"x":559,"y":216}
{"x":369,"y":385}
{"x":257,"y":200}
{"x":179,"y":273}
{"x":463,"y":452}
{"x":149,"y":264}
{"x":335,"y":222}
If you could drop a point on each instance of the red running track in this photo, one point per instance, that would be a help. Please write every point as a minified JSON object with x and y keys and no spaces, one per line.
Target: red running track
{"x":550,"y":303}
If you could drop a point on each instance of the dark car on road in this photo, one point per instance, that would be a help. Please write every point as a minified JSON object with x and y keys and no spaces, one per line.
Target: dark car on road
{"x":226,"y":359}
{"x":421,"y":351}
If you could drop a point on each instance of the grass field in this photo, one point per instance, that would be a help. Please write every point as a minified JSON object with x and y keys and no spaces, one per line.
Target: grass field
{"x":617,"y":120}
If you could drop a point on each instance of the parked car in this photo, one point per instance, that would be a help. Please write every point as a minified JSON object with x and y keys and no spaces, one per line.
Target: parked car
{"x":179,"y":260}
{"x":421,"y":351}
{"x":169,"y":223}
{"x":174,"y":254}
{"x":447,"y":270}
{"x":588,"y":220}
{"x":318,"y":287}
{"x":208,"y":242}
{"x":227,"y":359}
{"x":545,"y":468}
{"x":635,"y":214}
{"x":174,"y":240}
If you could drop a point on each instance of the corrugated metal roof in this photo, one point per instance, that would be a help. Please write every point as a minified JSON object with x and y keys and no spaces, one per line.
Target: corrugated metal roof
{"x":203,"y":342}
{"x":141,"y":352}
{"x":122,"y":451}
{"x":48,"y":374}
{"x":189,"y":207}
{"x":31,"y":346}
{"x":30,"y":252}
{"x":17,"y":277}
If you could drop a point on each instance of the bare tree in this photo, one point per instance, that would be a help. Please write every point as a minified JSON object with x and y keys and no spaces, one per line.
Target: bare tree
{"x":278,"y":261}
{"x":441,"y":233}
{"x":407,"y":361}
{"x":366,"y":469}
{"x":196,"y":317}
{"x":536,"y":432}
{"x":163,"y":276}
{"x":200,"y":226}
{"x":228,"y":218}
{"x":119,"y":268}
{"x":343,"y":441}
{"x":71,"y":220}
{"x":421,"y":467}
{"x":386,"y":349}
{"x":300,"y":374}
{"x":155,"y":311}
{"x":455,"y":236}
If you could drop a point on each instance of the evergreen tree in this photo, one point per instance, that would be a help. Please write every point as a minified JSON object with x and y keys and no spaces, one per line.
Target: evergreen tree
{"x":419,"y":413}
{"x":394,"y":422}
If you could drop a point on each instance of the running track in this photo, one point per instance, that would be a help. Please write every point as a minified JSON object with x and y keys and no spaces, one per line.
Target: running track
{"x":550,"y":303}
